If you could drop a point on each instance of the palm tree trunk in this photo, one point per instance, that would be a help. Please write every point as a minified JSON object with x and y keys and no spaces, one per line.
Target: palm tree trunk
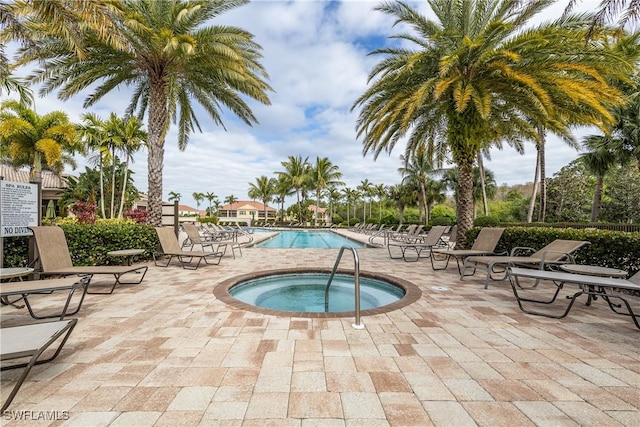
{"x":597,"y":198}
{"x":543,"y":177}
{"x":532,"y":201}
{"x":465,"y":199}
{"x":483,"y":186}
{"x":124,"y":187}
{"x":157,"y":125}
{"x":113,"y":183}
{"x":317,"y":203}
{"x":102,"y":187}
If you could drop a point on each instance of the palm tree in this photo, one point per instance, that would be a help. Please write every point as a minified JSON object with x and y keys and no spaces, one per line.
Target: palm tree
{"x":39,"y":142}
{"x":170,"y":57}
{"x":324,"y":174}
{"x":282,"y":189}
{"x":417,"y":166}
{"x":174,"y":196}
{"x":480,"y":74}
{"x":126,"y":136}
{"x":198,"y":197}
{"x":230,"y":199}
{"x":210,"y":197}
{"x":402,"y":196}
{"x":217,"y":205}
{"x":364,"y":188}
{"x":348,"y":194}
{"x":381,"y":192}
{"x":599,"y":159}
{"x":93,"y":136}
{"x":296,"y":173}
{"x":263,"y":189}
{"x":26,"y":21}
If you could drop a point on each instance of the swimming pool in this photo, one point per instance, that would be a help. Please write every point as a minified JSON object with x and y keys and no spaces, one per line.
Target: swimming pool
{"x":308,"y":239}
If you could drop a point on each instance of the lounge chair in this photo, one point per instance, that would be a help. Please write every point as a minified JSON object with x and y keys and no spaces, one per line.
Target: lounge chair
{"x":20,"y":342}
{"x":171,"y":249}
{"x":55,"y":259}
{"x":413,"y":234}
{"x":557,"y":252}
{"x":485,"y":244}
{"x":432,"y":240}
{"x":593,"y":286}
{"x":214,"y":241}
{"x":31,"y":287}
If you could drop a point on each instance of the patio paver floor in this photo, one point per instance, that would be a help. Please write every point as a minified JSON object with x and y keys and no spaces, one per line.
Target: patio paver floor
{"x":167,"y":352}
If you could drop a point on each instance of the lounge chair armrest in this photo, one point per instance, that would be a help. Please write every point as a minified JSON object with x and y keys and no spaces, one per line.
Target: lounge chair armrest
{"x":521,"y":251}
{"x":563,"y":259}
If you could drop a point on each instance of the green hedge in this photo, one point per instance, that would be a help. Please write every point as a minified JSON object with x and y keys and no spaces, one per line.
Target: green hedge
{"x":89,"y":244}
{"x":616,"y":249}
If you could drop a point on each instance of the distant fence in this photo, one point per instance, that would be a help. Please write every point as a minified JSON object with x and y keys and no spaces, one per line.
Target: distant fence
{"x":630,"y":228}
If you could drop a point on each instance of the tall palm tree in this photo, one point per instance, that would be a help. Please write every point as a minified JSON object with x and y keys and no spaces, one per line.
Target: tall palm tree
{"x":230,"y":199}
{"x":418,"y":166}
{"x":198,"y":197}
{"x":480,"y":73}
{"x":93,"y":137}
{"x":599,"y":159}
{"x":296,"y":172}
{"x":381,"y":192}
{"x":282,"y":189}
{"x":170,"y":58}
{"x":39,"y":142}
{"x":210,"y":197}
{"x":125,"y":135}
{"x":365,"y":189}
{"x":324,"y":174}
{"x":263,"y":189}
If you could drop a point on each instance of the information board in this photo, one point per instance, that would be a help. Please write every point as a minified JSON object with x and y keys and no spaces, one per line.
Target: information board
{"x":18,"y":208}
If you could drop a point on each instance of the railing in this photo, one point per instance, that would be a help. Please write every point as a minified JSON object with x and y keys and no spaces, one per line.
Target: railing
{"x":356,"y":275}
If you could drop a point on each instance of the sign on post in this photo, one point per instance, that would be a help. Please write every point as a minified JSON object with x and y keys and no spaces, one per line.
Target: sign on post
{"x":18,"y":208}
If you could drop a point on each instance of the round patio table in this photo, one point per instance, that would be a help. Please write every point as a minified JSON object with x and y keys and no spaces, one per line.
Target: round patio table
{"x":126,"y":253}
{"x":593,"y":270}
{"x":13,"y":273}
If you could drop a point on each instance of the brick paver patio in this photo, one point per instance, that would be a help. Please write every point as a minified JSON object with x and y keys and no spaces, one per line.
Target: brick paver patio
{"x":167,"y":353}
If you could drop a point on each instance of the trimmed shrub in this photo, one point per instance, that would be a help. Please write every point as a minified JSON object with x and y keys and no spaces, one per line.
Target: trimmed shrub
{"x":615,"y":249}
{"x":89,"y":243}
{"x":486,"y":221}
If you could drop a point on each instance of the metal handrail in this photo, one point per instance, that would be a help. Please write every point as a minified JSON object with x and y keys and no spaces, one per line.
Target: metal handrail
{"x":356,"y":275}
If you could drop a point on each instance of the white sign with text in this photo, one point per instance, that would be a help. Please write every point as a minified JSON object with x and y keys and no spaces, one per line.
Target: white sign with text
{"x":18,"y":208}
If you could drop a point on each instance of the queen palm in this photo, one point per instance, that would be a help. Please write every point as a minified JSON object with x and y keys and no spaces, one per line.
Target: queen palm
{"x":39,"y":142}
{"x":479,"y":73}
{"x":198,"y":197}
{"x":125,"y":135}
{"x":170,"y":58}
{"x":324,"y":174}
{"x":417,"y":166}
{"x":210,"y":197}
{"x":263,"y":189}
{"x":296,"y":173}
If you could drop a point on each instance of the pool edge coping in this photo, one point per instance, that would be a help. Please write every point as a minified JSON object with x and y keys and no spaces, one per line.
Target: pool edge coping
{"x":221,"y":292}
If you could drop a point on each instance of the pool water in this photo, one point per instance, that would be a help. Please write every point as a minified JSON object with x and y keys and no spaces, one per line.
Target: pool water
{"x":309,"y":239}
{"x":305,"y":292}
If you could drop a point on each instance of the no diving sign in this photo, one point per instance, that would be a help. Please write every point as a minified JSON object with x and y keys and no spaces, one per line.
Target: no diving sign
{"x":18,"y":208}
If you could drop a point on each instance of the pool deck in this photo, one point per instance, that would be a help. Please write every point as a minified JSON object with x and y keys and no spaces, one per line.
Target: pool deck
{"x":166,"y":352}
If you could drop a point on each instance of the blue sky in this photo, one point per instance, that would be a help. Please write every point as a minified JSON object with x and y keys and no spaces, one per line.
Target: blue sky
{"x":316,"y":54}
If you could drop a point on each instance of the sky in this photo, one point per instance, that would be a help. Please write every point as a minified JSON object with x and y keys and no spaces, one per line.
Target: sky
{"x":316,"y":55}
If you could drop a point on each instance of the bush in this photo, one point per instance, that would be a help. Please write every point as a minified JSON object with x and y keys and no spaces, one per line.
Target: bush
{"x":89,"y":243}
{"x":615,"y":249}
{"x":137,"y":214}
{"x":486,"y":221}
{"x":442,"y":220}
